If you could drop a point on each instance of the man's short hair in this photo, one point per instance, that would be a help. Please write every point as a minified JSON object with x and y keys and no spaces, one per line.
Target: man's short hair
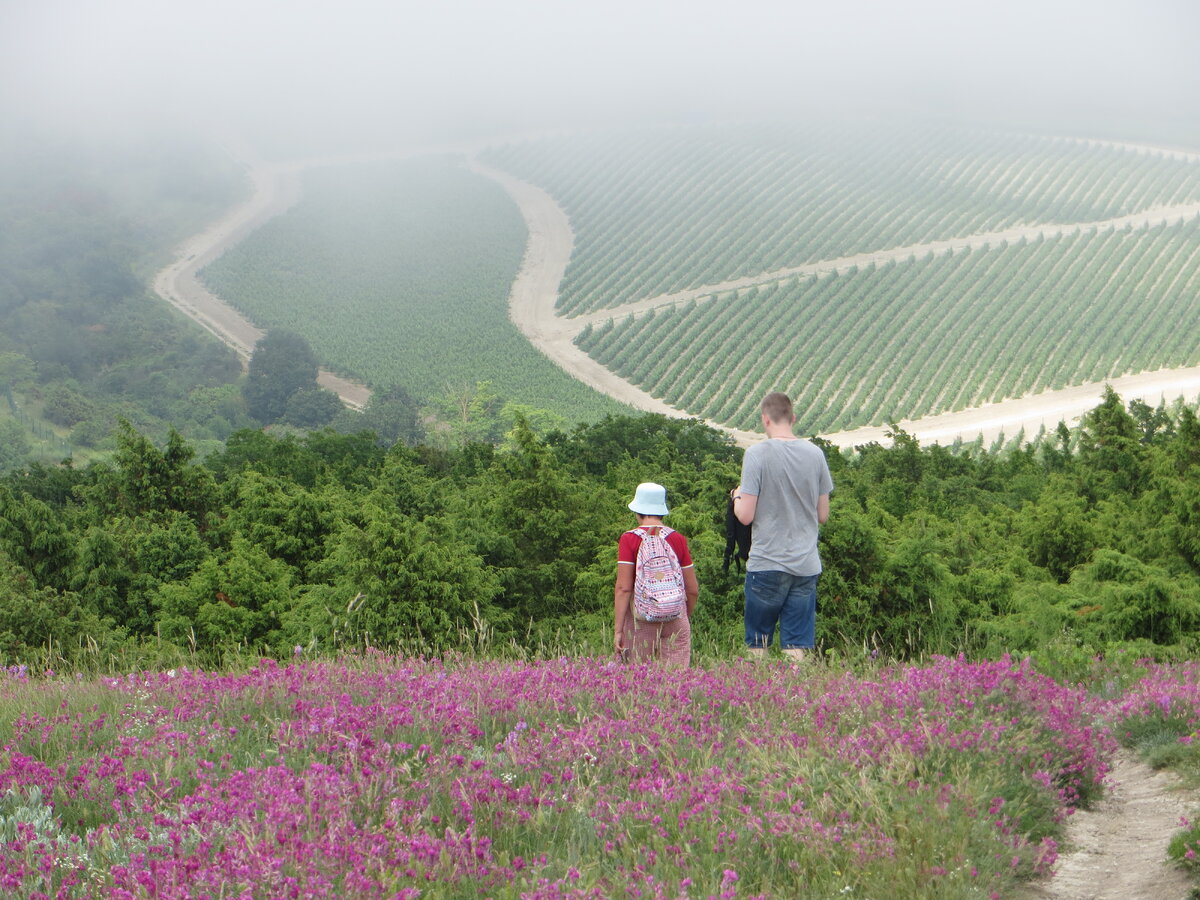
{"x":777,"y":406}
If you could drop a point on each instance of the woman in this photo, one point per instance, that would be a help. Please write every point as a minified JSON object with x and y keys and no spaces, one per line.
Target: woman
{"x":652,"y":610}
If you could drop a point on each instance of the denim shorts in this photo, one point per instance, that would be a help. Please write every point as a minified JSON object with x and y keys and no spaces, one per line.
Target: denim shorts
{"x":784,"y":599}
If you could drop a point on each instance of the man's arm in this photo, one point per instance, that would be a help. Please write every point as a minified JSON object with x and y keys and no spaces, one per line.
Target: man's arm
{"x":822,"y":509}
{"x":744,"y":505}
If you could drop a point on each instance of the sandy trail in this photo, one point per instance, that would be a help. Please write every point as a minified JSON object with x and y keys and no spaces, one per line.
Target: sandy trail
{"x":535,"y":290}
{"x":1118,"y":850}
{"x":551,"y":240}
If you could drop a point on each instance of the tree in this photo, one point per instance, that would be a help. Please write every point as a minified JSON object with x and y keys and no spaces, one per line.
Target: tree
{"x":1154,"y":422}
{"x":16,"y":370}
{"x":1185,"y":532}
{"x":1138,"y":601}
{"x":36,"y":538}
{"x":391,"y":413}
{"x":311,"y":406}
{"x":1111,"y":442}
{"x":402,"y":581}
{"x":64,"y":404}
{"x":915,"y":611}
{"x":31,"y":616}
{"x":534,"y":524}
{"x":14,"y":444}
{"x":1056,"y":530}
{"x":282,"y":363}
{"x":238,"y":600}
{"x":1184,"y":446}
{"x":279,"y":516}
{"x":595,"y":447}
{"x":149,"y":481}
{"x":472,"y":412}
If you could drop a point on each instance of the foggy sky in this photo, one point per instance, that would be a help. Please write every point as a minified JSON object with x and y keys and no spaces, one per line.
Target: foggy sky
{"x":369,"y":71}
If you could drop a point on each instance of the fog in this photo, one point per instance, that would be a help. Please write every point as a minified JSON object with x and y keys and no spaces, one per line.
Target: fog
{"x":300,"y":75}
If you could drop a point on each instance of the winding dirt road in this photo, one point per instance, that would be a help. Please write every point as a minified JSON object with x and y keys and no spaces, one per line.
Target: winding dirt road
{"x":274,"y":190}
{"x":551,"y":240}
{"x":276,"y":187}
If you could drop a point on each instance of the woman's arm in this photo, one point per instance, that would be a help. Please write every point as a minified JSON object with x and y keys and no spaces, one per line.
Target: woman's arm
{"x":621,"y":596}
{"x":691,"y":587}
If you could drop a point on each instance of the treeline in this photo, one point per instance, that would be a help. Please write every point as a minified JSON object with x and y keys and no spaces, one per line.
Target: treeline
{"x":1083,"y":544}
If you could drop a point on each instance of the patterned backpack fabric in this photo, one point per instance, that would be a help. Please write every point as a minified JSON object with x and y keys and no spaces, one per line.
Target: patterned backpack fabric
{"x":658,"y":593}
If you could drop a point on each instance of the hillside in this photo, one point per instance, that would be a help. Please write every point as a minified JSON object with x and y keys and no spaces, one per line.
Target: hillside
{"x":983,"y":267}
{"x":398,"y":272}
{"x":82,"y":343}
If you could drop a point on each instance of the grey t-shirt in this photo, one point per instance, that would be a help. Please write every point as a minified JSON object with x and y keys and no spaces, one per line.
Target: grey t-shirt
{"x":788,"y":477}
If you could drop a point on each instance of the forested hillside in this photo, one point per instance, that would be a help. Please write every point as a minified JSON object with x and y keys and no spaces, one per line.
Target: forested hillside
{"x":82,"y":344}
{"x":285,"y":545}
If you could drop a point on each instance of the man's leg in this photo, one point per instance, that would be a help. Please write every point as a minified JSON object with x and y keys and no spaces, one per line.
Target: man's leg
{"x":765,"y":595}
{"x":798,"y":617}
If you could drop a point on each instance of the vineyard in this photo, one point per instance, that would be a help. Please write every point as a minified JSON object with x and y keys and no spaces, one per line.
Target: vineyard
{"x":923,"y":336}
{"x":399,"y":273}
{"x":656,"y":214}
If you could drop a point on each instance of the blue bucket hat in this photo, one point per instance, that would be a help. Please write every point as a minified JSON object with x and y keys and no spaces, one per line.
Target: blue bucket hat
{"x":650,"y":499}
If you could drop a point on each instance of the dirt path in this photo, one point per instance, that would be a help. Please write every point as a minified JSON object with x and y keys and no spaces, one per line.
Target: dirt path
{"x":551,"y":240}
{"x":1118,"y":851}
{"x":274,"y":190}
{"x":535,"y":290}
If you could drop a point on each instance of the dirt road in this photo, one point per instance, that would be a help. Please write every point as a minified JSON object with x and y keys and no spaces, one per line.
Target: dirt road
{"x":276,"y":187}
{"x":274,"y":190}
{"x":533,"y":297}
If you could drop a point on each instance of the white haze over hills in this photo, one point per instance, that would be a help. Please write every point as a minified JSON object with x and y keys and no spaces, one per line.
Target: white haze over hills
{"x":301,"y":76}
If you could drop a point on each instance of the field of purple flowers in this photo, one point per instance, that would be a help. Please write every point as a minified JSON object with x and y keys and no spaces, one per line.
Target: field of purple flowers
{"x":379,"y":776}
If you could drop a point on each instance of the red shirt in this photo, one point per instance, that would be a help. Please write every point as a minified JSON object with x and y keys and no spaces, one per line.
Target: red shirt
{"x":627,"y":547}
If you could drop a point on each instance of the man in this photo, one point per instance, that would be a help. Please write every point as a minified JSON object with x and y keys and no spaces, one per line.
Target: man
{"x":784,"y":497}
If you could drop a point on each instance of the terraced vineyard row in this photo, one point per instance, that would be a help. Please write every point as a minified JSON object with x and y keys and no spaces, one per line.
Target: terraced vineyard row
{"x":925,"y":336}
{"x":399,"y":273}
{"x":660,"y":212}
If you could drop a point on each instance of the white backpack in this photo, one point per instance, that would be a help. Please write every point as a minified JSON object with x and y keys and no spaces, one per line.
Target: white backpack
{"x":658,"y":592}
